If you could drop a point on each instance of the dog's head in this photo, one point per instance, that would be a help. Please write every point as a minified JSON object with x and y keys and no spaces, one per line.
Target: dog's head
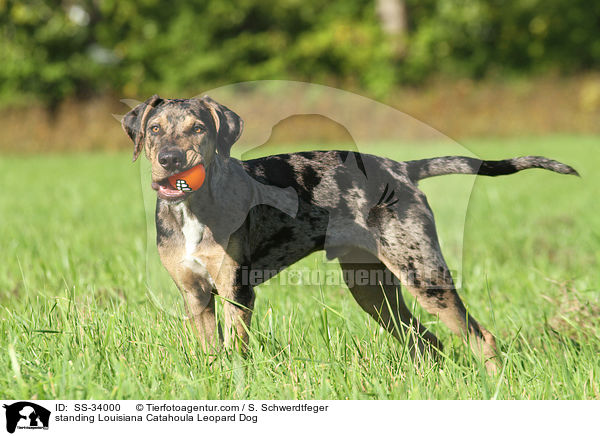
{"x":178,"y":134}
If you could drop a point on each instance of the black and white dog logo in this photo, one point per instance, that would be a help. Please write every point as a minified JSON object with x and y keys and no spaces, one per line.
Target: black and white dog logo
{"x":26,"y":415}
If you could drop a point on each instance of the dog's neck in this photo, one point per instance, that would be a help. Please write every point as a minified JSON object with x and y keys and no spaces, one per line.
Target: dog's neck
{"x":222,"y":204}
{"x":227,"y":189}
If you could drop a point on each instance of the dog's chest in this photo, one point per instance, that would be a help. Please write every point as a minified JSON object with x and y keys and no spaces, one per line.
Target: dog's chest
{"x":191,"y":227}
{"x":188,"y":257}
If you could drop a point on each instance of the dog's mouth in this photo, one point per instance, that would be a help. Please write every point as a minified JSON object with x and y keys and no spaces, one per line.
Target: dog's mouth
{"x":166,"y":191}
{"x":177,"y":186}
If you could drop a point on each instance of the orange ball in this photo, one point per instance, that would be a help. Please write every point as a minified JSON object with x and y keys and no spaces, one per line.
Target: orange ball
{"x":189,"y":180}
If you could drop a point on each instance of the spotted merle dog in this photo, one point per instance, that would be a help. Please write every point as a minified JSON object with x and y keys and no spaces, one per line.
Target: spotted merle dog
{"x":265,"y":214}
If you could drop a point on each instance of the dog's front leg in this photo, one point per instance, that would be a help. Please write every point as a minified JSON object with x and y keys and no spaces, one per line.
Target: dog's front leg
{"x":202,"y":318}
{"x":238,"y":302}
{"x":198,"y":294}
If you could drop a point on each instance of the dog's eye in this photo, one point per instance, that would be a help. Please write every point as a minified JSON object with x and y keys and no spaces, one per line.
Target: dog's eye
{"x":155,"y":128}
{"x":198,"y":129}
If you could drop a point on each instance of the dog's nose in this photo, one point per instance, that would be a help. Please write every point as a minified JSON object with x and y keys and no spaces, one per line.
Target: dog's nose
{"x":171,"y":159}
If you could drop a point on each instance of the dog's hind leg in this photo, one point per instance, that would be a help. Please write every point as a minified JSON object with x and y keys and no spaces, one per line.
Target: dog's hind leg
{"x":237,"y":311}
{"x":373,"y":287}
{"x":413,"y":253}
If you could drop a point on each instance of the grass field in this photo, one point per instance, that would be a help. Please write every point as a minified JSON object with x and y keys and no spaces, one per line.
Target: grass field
{"x":76,"y":321}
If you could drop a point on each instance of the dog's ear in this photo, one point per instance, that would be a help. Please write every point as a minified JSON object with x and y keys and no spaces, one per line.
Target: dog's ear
{"x":134,"y":123}
{"x":228,"y":124}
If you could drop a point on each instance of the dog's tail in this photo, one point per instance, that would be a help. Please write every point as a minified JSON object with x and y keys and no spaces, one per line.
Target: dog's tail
{"x":440,"y":166}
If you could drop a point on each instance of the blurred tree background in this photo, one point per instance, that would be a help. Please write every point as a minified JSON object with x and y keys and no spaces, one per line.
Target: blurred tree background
{"x":468,"y":68}
{"x":52,"y":50}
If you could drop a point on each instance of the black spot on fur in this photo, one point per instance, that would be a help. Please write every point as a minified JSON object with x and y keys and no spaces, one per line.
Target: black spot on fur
{"x":276,"y":240}
{"x":410,"y":275}
{"x":244,"y":294}
{"x":497,"y":168}
{"x":378,"y":216}
{"x":429,"y":229}
{"x":310,"y":179}
{"x":319,"y":241}
{"x":438,"y":295}
{"x":279,"y":171}
{"x":245,"y":297}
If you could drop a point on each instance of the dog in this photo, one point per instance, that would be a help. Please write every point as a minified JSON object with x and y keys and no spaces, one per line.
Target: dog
{"x":265,"y":214}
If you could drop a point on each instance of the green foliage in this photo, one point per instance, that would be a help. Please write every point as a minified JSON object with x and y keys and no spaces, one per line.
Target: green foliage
{"x":52,"y":49}
{"x":474,"y":37}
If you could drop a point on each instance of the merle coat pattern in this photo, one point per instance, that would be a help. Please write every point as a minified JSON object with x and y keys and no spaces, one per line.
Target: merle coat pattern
{"x":265,"y":214}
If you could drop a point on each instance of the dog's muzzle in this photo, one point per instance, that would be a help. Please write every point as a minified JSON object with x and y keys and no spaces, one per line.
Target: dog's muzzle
{"x":177,"y":186}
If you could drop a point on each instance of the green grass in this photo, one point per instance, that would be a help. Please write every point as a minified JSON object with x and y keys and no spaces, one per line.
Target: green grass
{"x":76,"y":321}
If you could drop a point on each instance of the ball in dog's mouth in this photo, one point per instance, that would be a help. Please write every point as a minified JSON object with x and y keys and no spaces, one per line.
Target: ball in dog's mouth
{"x":178,"y":185}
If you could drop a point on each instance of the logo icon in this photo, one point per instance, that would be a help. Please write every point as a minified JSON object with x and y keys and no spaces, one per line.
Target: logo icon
{"x":26,"y":415}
